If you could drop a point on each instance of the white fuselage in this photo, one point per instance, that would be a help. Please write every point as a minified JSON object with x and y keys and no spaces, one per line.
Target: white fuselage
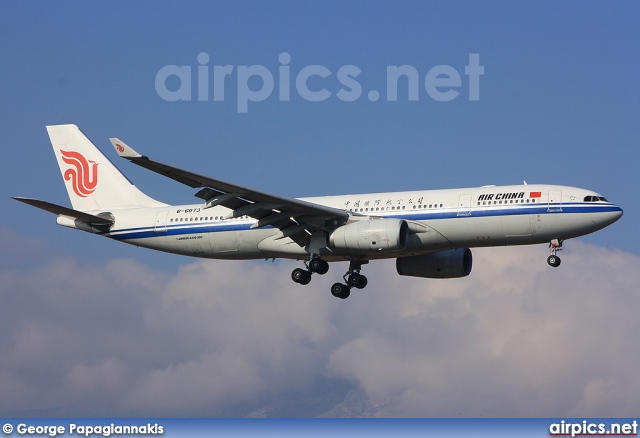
{"x":428,"y":232}
{"x":438,"y":219}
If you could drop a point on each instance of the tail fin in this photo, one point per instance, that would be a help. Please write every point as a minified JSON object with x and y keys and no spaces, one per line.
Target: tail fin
{"x":92,"y":181}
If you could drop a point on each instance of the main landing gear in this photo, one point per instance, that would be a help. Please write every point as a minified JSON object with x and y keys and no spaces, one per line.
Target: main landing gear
{"x":553,"y":259}
{"x":315,"y":265}
{"x":353,"y":278}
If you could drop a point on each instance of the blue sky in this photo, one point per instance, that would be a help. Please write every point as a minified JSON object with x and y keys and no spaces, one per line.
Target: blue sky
{"x":558,"y":100}
{"x":559,"y":103}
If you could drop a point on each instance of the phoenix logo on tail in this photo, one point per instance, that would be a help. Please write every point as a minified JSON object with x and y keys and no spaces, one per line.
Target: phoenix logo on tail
{"x":83,"y":178}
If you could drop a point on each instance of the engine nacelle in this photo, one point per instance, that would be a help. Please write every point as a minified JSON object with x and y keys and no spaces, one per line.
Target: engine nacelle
{"x":371,"y":235}
{"x":453,"y":263}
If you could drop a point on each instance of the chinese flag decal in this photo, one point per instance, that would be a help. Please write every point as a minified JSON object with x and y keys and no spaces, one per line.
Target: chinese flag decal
{"x":535,"y":194}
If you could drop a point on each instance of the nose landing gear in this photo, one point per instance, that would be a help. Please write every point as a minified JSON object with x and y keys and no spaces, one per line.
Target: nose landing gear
{"x":553,"y":259}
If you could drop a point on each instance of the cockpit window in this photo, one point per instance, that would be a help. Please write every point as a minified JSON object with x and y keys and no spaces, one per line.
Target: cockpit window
{"x":595,"y":199}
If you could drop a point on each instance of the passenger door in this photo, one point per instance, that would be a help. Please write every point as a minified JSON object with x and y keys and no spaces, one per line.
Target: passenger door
{"x":555,"y":201}
{"x":464,"y":205}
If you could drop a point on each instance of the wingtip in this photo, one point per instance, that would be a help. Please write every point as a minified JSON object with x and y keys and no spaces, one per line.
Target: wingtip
{"x":123,"y":150}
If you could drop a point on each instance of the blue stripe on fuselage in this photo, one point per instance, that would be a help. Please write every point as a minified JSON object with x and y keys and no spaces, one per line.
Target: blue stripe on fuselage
{"x":422,"y":215}
{"x":175,"y":230}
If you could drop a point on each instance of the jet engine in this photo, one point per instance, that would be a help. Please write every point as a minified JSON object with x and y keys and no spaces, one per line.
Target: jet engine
{"x":371,"y":235}
{"x":453,"y":263}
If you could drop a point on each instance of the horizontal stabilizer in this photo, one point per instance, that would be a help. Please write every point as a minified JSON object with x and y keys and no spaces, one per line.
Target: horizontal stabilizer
{"x":64,"y":211}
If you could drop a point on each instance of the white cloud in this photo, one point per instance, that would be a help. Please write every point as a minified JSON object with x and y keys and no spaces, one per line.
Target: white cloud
{"x":516,"y":338}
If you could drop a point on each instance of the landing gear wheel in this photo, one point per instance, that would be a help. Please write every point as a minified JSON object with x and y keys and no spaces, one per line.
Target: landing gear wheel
{"x":553,"y":260}
{"x":358,"y":281}
{"x":319,"y":266}
{"x":341,"y":291}
{"x":301,"y":276}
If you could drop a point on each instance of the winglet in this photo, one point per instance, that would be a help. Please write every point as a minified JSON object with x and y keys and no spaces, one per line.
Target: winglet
{"x":124,"y":150}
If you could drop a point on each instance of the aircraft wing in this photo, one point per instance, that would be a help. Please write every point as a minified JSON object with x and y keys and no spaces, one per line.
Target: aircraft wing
{"x":290,"y":215}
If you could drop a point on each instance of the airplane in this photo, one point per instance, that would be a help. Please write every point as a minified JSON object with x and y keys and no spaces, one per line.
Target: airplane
{"x":428,"y":232}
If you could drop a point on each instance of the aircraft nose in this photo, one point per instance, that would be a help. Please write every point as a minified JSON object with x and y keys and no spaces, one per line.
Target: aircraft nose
{"x":614,"y":215}
{"x":618,"y":213}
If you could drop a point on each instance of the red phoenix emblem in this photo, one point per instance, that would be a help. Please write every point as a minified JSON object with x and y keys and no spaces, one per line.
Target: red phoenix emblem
{"x":83,"y":177}
{"x":119,"y":147}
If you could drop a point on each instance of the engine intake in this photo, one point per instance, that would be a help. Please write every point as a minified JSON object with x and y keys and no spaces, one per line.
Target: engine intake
{"x":453,"y":263}
{"x":371,"y":235}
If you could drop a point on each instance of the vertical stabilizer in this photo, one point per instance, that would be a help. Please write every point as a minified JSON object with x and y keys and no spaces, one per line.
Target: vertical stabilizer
{"x":92,"y":181}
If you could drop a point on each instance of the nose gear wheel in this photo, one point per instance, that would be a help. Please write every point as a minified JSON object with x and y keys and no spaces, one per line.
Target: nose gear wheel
{"x":553,"y":260}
